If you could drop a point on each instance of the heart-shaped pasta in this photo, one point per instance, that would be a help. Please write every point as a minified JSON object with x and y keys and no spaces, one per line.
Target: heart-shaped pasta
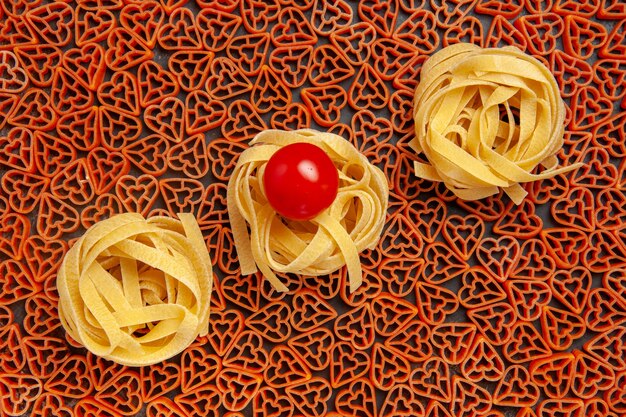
{"x":332,"y":239}
{"x":485,"y":118}
{"x":137,"y":291}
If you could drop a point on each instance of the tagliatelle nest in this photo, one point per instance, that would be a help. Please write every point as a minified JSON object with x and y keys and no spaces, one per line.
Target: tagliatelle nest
{"x":137,"y":291}
{"x":319,"y":246}
{"x":485,"y":118}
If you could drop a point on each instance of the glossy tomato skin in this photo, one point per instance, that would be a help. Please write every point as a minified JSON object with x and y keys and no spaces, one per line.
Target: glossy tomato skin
{"x":300,"y":181}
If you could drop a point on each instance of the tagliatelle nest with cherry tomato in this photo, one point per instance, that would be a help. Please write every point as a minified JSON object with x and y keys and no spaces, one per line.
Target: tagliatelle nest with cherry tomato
{"x":332,"y":239}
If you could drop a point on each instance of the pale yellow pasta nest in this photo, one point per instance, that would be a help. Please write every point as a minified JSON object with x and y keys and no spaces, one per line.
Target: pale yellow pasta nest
{"x":465,"y":111}
{"x":137,"y":291}
{"x":318,"y":246}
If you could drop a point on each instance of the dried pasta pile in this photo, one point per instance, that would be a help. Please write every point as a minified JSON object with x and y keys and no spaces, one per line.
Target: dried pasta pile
{"x":485,"y":118}
{"x":322,"y":245}
{"x":137,"y":291}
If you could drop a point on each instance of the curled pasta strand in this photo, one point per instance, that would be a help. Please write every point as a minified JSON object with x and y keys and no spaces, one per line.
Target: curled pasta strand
{"x":485,"y":118}
{"x":137,"y":291}
{"x":322,"y":245}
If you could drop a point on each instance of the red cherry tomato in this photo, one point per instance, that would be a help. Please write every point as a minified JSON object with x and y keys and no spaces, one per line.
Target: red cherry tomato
{"x":300,"y":181}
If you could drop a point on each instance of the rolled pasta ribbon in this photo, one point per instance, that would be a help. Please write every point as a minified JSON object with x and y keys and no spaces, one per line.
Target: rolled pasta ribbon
{"x":485,"y":118}
{"x":137,"y":291}
{"x":319,"y":246}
